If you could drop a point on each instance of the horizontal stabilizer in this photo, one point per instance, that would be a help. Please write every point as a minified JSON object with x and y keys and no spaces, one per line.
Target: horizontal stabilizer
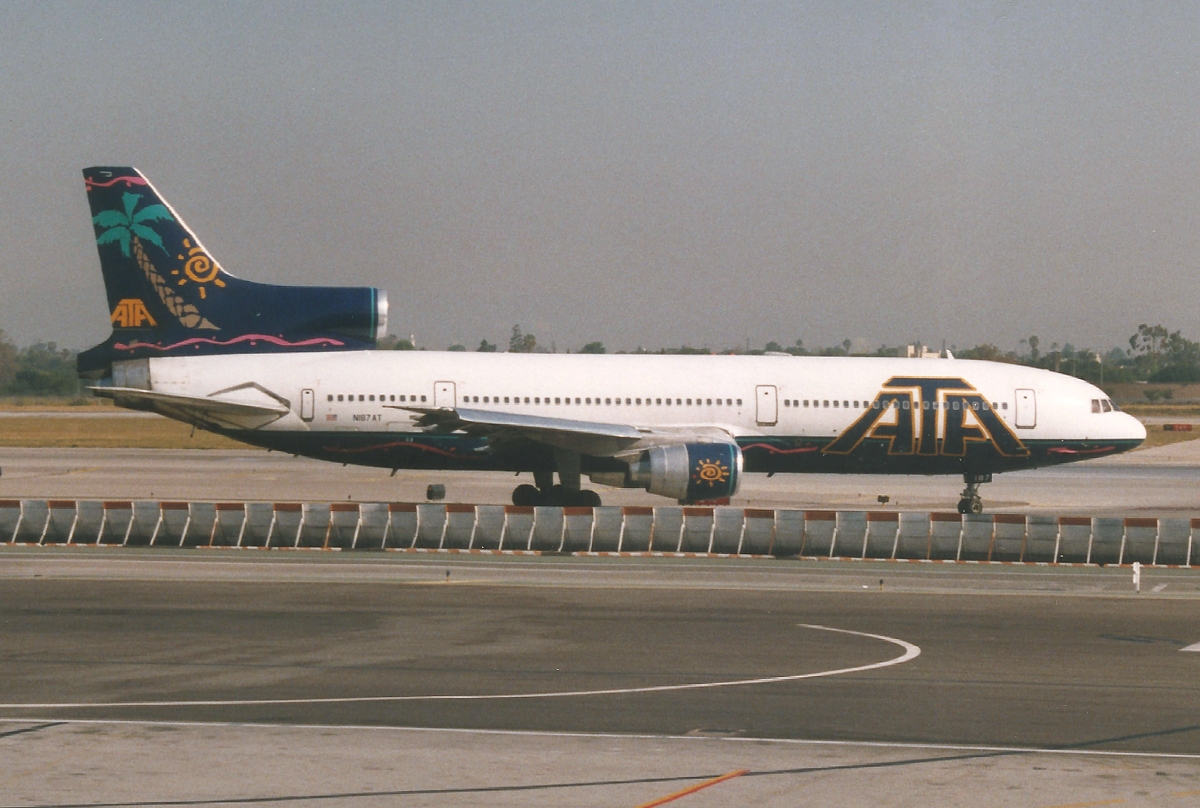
{"x":203,"y":410}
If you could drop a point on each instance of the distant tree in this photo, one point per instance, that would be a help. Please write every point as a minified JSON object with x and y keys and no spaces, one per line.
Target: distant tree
{"x":846,"y":345}
{"x":457,"y":347}
{"x":521,"y":343}
{"x":773,"y":347}
{"x":44,"y":369}
{"x":486,"y":347}
{"x":1150,"y":340}
{"x":594,"y":348}
{"x":8,"y":362}
{"x":1033,"y":349}
{"x":404,"y":345}
{"x":798,"y":349}
{"x":986,"y":352}
{"x":1182,"y":361}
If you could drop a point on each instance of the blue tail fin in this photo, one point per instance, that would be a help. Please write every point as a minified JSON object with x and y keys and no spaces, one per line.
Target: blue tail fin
{"x":167,"y":296}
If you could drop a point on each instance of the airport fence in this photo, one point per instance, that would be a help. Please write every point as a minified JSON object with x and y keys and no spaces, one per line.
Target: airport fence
{"x":664,"y":530}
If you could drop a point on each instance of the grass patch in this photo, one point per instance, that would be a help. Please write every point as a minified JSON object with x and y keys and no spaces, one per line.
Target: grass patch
{"x":36,"y":404}
{"x":1156,"y":436}
{"x":108,"y":433}
{"x":1160,"y":410}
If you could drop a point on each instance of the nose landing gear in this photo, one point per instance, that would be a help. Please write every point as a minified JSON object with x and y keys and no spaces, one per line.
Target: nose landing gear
{"x":971,"y":502}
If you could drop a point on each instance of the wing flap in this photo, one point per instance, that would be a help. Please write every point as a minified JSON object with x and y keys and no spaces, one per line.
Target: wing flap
{"x":596,"y":438}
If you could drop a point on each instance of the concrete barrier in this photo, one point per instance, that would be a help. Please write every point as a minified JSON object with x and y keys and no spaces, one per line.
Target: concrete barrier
{"x":717,"y":530}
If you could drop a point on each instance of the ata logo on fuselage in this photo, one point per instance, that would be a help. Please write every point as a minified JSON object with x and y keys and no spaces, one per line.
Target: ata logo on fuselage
{"x":929,"y":417}
{"x":131,"y":313}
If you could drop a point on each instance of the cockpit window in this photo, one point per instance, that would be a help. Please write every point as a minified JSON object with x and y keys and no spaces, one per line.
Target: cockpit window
{"x":1095,"y":405}
{"x":1107,"y":405}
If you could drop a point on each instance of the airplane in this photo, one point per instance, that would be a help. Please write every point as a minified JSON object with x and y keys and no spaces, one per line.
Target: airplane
{"x":295,"y":369}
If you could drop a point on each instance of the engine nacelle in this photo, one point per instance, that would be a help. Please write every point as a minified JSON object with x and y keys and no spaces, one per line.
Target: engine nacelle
{"x":689,"y":472}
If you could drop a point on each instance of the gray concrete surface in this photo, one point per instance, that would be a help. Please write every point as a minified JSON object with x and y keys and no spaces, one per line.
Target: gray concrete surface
{"x":1032,"y":686}
{"x":1153,"y":482}
{"x":144,"y":763}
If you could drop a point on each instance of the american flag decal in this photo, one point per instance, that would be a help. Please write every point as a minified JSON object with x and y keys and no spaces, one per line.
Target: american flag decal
{"x":331,"y":417}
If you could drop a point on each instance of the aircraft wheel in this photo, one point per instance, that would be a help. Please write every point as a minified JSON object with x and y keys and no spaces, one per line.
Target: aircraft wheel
{"x":525,"y":495}
{"x":589,"y":499}
{"x":974,"y":505}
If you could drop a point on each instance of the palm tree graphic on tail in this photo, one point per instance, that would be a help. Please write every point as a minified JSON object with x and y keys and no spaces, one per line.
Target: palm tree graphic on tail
{"x":129,"y":229}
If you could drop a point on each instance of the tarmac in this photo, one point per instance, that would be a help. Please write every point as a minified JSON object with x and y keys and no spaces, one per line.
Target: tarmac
{"x":144,"y":677}
{"x":223,"y":677}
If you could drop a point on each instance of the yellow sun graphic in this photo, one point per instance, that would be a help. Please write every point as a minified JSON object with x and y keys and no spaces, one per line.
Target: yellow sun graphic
{"x":199,"y":268}
{"x":711,"y":472}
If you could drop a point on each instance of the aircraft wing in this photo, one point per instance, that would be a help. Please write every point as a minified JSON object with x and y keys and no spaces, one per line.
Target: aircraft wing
{"x":597,"y":438}
{"x":250,"y":412}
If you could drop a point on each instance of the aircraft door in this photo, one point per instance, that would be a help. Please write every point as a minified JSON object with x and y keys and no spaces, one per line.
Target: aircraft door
{"x":767,"y":404}
{"x":444,"y":397}
{"x":306,"y":404}
{"x":1026,"y":409}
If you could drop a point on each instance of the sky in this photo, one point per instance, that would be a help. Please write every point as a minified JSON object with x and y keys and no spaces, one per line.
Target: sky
{"x":644,"y":174}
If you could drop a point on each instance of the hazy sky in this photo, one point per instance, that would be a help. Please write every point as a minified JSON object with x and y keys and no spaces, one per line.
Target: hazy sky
{"x":639,"y":173}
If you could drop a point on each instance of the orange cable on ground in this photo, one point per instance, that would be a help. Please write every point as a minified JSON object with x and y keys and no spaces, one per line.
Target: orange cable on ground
{"x":693,"y":789}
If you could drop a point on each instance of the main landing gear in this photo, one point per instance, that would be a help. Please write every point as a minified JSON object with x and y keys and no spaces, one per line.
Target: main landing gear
{"x":566,"y":494}
{"x":970,"y":502}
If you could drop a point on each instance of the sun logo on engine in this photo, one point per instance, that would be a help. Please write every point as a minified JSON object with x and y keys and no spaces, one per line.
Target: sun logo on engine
{"x":711,"y":472}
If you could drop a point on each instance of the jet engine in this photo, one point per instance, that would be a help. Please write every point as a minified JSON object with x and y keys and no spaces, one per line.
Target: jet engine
{"x":689,"y":472}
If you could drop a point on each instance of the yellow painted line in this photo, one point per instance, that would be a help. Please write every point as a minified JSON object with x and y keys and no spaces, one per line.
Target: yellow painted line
{"x":1087,"y":804}
{"x":693,"y":789}
{"x":1184,"y":794}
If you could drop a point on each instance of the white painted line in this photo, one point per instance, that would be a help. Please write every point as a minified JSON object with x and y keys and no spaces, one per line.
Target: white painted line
{"x":910,"y":652}
{"x":1159,"y":588}
{"x":1192,"y":647}
{"x":1032,"y":750}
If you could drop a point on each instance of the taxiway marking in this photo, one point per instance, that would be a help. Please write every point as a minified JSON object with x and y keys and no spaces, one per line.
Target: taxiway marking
{"x":911,"y":652}
{"x":1192,"y":647}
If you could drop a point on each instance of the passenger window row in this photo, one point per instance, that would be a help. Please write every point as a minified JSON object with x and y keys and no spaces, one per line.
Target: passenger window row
{"x":859,"y":405}
{"x":362,"y":397}
{"x":607,"y":402}
{"x":563,"y":400}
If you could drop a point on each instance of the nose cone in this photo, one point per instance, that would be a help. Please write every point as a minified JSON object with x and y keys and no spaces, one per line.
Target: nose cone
{"x":1137,"y":429}
{"x":1129,"y":428}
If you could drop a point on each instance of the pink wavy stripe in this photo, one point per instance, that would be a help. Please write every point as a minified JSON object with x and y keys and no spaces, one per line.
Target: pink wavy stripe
{"x":120,"y":346}
{"x":777,"y":450}
{"x":128,"y":180}
{"x":377,"y":447}
{"x":1080,"y":451}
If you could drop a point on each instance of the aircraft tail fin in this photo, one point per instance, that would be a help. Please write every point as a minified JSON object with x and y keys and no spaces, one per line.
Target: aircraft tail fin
{"x":168,"y":296}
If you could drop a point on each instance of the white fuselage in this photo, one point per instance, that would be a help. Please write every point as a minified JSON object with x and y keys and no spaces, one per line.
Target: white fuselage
{"x":370,"y":391}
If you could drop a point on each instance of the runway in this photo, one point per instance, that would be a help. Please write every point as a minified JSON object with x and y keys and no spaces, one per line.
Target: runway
{"x":641,"y":677}
{"x":1155,"y":482}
